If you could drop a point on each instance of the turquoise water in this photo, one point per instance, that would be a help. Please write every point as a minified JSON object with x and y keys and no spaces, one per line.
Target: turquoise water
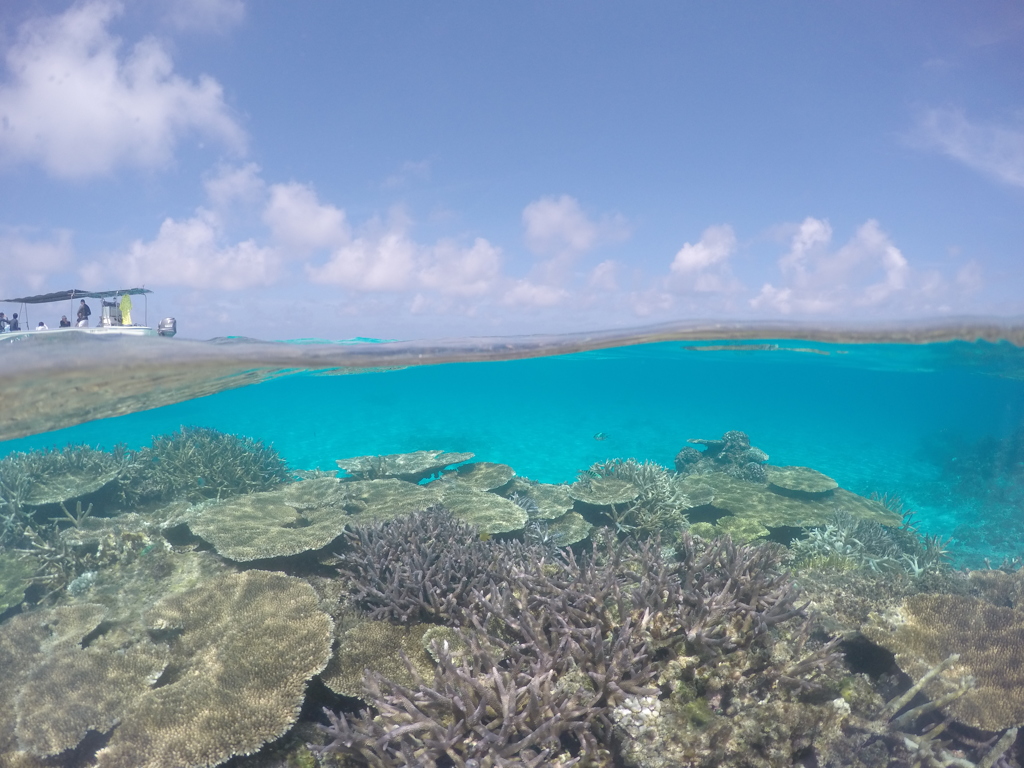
{"x":879,"y":418}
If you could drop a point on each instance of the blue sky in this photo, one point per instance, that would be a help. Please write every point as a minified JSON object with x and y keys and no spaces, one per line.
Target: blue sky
{"x":423,"y":169}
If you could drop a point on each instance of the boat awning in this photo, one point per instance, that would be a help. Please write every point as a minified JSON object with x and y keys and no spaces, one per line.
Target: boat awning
{"x":74,"y":293}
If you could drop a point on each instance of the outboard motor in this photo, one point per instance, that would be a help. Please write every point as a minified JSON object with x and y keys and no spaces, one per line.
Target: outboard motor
{"x":167,"y":327}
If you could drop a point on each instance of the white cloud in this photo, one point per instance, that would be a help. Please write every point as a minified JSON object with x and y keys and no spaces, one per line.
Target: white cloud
{"x":232,"y":185}
{"x":716,"y":244}
{"x":995,"y":150}
{"x":298,"y":219}
{"x":452,"y":270}
{"x":74,"y":102}
{"x":381,"y":258}
{"x":193,"y":252}
{"x":524,"y":293}
{"x":703,"y":267}
{"x":868,"y":272}
{"x":604,"y":277}
{"x":31,"y":262}
{"x":205,"y":15}
{"x":559,"y":227}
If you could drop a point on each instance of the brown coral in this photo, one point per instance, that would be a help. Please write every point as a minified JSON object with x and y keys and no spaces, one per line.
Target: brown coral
{"x":242,"y":647}
{"x":990,"y":644}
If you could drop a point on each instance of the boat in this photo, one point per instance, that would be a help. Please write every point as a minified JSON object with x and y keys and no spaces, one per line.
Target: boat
{"x":113,"y":319}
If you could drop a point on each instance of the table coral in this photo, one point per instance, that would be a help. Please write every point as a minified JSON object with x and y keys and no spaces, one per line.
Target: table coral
{"x":241,"y":649}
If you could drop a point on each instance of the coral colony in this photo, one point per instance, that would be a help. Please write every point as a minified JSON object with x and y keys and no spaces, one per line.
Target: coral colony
{"x":196,"y":602}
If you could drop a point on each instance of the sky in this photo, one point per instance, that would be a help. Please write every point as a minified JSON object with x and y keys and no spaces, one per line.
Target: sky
{"x":422,"y":169}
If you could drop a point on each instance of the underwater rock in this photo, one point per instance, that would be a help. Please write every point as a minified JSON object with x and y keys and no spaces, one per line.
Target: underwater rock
{"x":485,"y":475}
{"x":242,"y":647}
{"x":298,"y":517}
{"x":411,"y":467}
{"x":926,"y":629}
{"x":799,"y":480}
{"x":378,"y":646}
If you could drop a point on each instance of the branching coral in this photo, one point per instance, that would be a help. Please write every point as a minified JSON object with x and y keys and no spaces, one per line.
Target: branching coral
{"x":551,"y":643}
{"x":198,"y":463}
{"x":658,"y":505}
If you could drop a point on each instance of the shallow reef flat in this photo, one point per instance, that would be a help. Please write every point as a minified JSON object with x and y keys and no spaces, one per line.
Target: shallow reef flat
{"x":195,"y":602}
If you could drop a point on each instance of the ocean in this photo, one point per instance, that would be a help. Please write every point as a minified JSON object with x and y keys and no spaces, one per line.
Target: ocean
{"x":930,"y":427}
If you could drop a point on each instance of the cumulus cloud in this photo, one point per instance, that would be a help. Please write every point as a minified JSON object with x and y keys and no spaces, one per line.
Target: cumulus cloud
{"x":993,"y":149}
{"x":868,"y":272}
{"x":79,"y":105}
{"x":523,"y":293}
{"x":195,"y":253}
{"x":558,"y":227}
{"x":703,"y":267}
{"x":453,"y":270}
{"x":231,"y":185}
{"x":384,"y":257}
{"x":298,"y":219}
{"x":31,"y":262}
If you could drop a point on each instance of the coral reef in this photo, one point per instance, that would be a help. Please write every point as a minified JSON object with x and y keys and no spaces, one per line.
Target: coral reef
{"x":389,"y":650}
{"x":294,"y":518}
{"x":411,"y":467}
{"x":197,"y":463}
{"x":485,"y":475}
{"x":799,"y":480}
{"x":241,"y":648}
{"x":732,"y":454}
{"x":423,"y":567}
{"x":986,"y":640}
{"x":549,"y":647}
{"x":657,"y":504}
{"x":763,"y":508}
{"x":548,"y":501}
{"x":488,"y":512}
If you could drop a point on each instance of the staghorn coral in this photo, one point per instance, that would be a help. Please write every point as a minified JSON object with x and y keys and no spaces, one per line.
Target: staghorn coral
{"x":241,"y":648}
{"x":422,"y":567}
{"x":845,"y":542}
{"x":660,"y":503}
{"x":198,"y":463}
{"x":550,"y":647}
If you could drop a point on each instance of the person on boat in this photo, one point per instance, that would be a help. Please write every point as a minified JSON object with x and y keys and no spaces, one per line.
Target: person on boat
{"x":13,"y":324}
{"x":64,"y":322}
{"x":3,"y":322}
{"x":42,"y":326}
{"x":83,"y":314}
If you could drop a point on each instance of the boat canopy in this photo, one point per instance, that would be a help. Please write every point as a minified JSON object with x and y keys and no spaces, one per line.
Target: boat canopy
{"x":75,"y":293}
